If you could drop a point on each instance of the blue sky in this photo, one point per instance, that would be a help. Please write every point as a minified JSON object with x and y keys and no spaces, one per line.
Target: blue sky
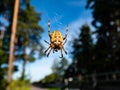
{"x":60,"y":13}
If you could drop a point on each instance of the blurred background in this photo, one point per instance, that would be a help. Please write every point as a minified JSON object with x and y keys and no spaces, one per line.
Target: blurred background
{"x":92,"y":62}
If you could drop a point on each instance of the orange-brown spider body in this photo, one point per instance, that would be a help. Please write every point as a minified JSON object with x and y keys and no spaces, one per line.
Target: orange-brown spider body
{"x":57,"y":41}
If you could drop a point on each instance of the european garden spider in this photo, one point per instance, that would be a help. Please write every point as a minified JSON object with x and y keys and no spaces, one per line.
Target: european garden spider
{"x":56,"y":41}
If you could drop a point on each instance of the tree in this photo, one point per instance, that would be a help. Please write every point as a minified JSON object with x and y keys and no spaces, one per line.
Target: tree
{"x":106,"y":16}
{"x":63,"y":65}
{"x":55,"y":66}
{"x":3,"y":68}
{"x":28,"y":24}
{"x":5,"y":12}
{"x":11,"y":53}
{"x":82,"y":51}
{"x":30,"y":41}
{"x":59,"y":67}
{"x":58,"y":71}
{"x":51,"y":78}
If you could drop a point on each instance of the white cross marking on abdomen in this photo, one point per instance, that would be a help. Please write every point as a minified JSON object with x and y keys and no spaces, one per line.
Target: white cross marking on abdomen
{"x":57,"y":40}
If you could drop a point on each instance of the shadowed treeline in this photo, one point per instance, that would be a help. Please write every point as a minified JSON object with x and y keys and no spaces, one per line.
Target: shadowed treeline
{"x":97,"y":64}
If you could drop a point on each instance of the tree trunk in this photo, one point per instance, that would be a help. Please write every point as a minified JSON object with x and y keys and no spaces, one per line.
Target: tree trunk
{"x":23,"y":70}
{"x":23,"y":65}
{"x":11,"y":54}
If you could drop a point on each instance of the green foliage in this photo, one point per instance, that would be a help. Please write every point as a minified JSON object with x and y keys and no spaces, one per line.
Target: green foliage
{"x":2,"y":83}
{"x":6,"y":9}
{"x":3,"y":68}
{"x":28,"y":35}
{"x":106,"y":16}
{"x":58,"y":70}
{"x":54,"y":89}
{"x":20,"y":85}
{"x":55,"y":66}
{"x":4,"y":56}
{"x":5,"y":6}
{"x":28,"y":24}
{"x":59,"y":67}
{"x":82,"y":51}
{"x":50,"y":78}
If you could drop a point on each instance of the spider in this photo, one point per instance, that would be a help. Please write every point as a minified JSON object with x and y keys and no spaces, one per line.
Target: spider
{"x":57,"y":41}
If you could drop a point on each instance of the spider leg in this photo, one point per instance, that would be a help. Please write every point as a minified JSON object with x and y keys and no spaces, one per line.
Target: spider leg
{"x":65,"y":41}
{"x":49,"y":52}
{"x":47,"y":49}
{"x":49,"y":28}
{"x":61,"y":53}
{"x":66,"y":33}
{"x":64,"y":50}
{"x":47,"y":42}
{"x":53,"y":51}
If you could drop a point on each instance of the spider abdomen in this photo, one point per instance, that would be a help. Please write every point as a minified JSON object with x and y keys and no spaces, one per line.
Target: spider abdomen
{"x":56,"y":37}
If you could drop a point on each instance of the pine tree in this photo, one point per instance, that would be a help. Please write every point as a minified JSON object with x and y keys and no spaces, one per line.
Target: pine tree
{"x":5,"y":12}
{"x":59,"y":68}
{"x":106,"y":16}
{"x":28,"y":36}
{"x":82,"y":51}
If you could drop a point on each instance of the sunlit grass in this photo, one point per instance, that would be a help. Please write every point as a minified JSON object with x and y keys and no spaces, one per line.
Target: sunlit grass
{"x":20,"y":85}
